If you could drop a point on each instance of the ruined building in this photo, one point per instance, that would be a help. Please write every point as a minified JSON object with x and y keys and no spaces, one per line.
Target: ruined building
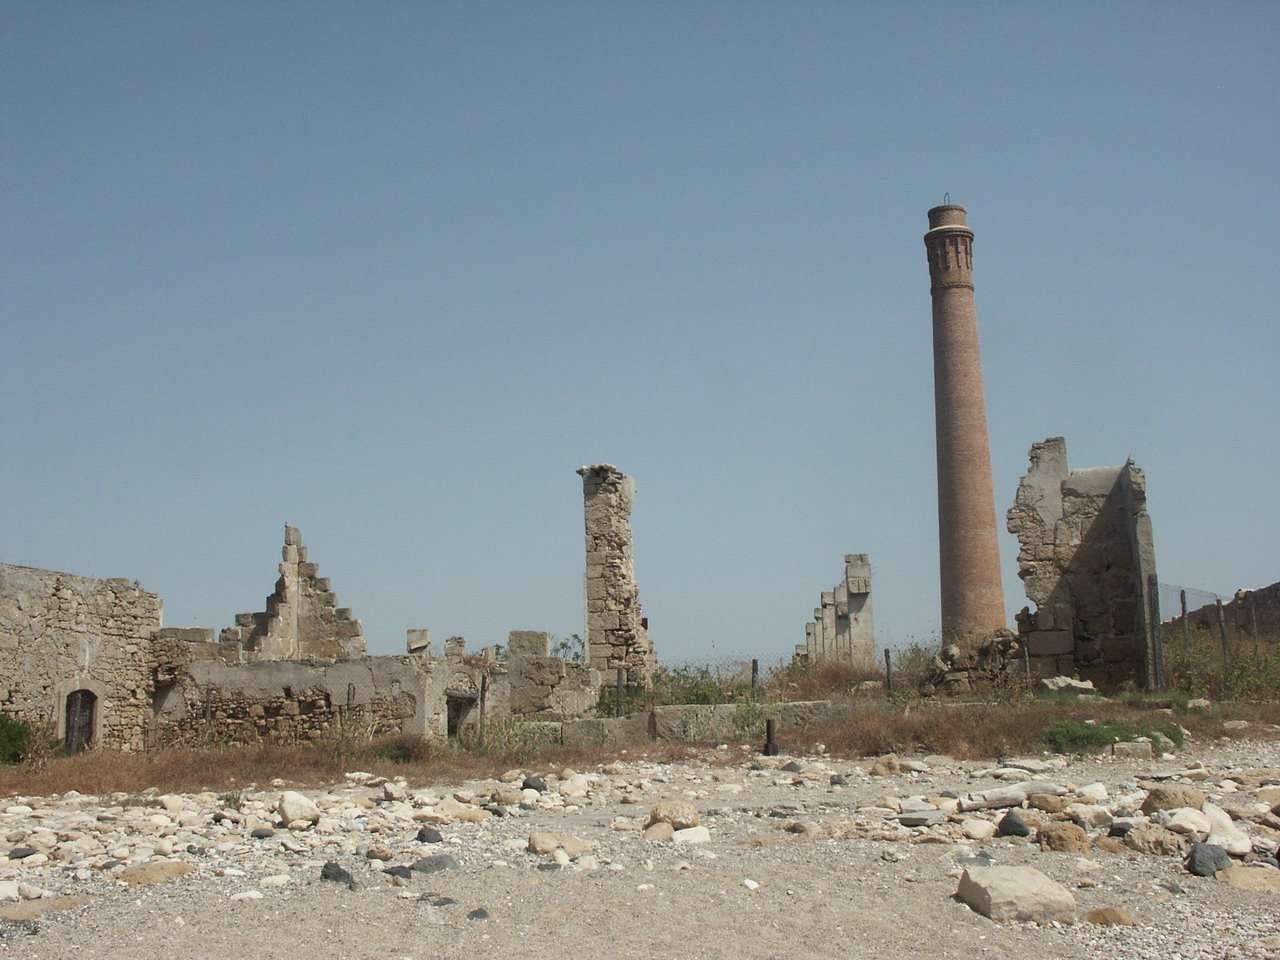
{"x":969,"y":554}
{"x":90,"y":661}
{"x":617,"y":633}
{"x":843,"y":625}
{"x":1087,"y":558}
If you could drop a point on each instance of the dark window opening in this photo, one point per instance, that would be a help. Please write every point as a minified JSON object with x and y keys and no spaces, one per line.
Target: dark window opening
{"x":80,"y":716}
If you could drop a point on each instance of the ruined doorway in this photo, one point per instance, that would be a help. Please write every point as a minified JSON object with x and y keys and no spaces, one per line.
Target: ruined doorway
{"x":81,"y":706}
{"x":459,"y":707}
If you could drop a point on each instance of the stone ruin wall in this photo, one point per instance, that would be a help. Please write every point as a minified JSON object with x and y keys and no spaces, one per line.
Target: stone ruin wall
{"x":289,"y":674}
{"x":1086,"y":556}
{"x":617,"y":632}
{"x":60,"y":633}
{"x":302,"y":619}
{"x":843,"y":625}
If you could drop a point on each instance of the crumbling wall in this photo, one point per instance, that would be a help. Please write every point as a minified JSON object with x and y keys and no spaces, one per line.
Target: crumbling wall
{"x":1086,"y":556}
{"x":60,"y":634}
{"x":843,"y":625}
{"x":617,"y":633}
{"x":1249,"y":614}
{"x":546,"y":686}
{"x":302,"y":618}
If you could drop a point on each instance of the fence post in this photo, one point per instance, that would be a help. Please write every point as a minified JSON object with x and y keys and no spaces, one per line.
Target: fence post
{"x":755,"y":676}
{"x":1253,"y":622}
{"x":1157,"y":631}
{"x":888,"y":673}
{"x":1226,"y":653}
{"x":1186,"y":632}
{"x":771,"y":738}
{"x":484,"y":690}
{"x":620,"y":705}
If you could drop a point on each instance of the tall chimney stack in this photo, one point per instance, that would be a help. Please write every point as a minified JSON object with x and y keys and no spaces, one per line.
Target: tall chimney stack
{"x":969,"y":551}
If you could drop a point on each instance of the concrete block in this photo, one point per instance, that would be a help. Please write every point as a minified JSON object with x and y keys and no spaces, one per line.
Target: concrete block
{"x":418,"y":641}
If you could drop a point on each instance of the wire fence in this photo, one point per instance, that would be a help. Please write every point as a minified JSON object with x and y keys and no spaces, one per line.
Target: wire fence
{"x":1227,"y":645}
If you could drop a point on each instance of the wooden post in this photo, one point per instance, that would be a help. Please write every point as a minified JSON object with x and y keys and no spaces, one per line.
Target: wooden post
{"x":771,"y":738}
{"x":621,"y":693}
{"x":755,"y":676}
{"x":1226,"y":652}
{"x":1253,"y":623}
{"x":1157,"y":631}
{"x":888,"y":673}
{"x":484,"y":690}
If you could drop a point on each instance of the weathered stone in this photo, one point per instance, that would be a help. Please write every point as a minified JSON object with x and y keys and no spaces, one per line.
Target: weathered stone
{"x":1134,"y":750}
{"x":294,"y":806}
{"x":679,"y":813}
{"x":1063,"y":838}
{"x":1224,"y":833}
{"x":1260,"y":879}
{"x":1012,"y":825}
{"x":1016,"y":894}
{"x":1171,"y":796}
{"x":1156,"y":840}
{"x":1110,"y":917}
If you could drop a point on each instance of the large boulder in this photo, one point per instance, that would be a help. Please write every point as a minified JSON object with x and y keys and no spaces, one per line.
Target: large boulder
{"x":1171,"y":796}
{"x":679,"y":813}
{"x":1016,"y":893}
{"x":294,"y":806}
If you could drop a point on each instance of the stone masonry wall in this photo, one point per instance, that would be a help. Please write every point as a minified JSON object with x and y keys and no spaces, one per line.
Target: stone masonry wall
{"x":1086,"y":556}
{"x":843,"y":626}
{"x":302,"y":617}
{"x":617,"y":633}
{"x":61,"y":633}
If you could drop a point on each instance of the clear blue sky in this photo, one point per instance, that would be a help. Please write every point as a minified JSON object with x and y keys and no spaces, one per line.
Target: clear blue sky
{"x":392,"y":272}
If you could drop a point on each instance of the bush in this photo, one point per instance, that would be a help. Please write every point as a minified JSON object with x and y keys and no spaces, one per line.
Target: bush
{"x":15,"y":739}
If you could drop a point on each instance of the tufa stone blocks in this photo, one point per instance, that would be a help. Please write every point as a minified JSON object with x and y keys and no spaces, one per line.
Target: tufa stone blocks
{"x":843,"y":625}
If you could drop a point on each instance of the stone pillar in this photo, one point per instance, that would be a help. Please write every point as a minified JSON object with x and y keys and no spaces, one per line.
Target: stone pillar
{"x":969,"y":554}
{"x":616,"y":632}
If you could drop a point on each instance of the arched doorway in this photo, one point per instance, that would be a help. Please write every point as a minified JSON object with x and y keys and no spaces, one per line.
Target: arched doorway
{"x":81,"y":707}
{"x":460,"y":697}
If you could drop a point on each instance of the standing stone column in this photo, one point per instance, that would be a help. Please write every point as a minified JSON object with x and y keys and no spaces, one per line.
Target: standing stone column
{"x":969,"y":553}
{"x":617,"y":635}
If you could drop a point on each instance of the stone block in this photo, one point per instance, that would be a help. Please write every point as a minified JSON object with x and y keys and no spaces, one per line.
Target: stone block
{"x":544,"y":671}
{"x":528,"y":643}
{"x":455,"y":648}
{"x":418,"y":641}
{"x":1050,"y":643}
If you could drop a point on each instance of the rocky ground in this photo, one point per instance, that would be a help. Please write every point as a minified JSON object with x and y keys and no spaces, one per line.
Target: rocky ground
{"x":737,"y":856}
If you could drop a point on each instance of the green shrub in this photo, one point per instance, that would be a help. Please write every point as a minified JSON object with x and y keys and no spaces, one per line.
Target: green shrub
{"x":15,"y":739}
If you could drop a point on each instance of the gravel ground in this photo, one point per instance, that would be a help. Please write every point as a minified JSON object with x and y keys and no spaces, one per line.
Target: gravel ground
{"x":793,"y":868}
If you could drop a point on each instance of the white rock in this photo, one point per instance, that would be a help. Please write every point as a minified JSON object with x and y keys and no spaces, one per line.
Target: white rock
{"x":248,"y":895}
{"x":1096,"y":792}
{"x":1016,"y":893}
{"x":1189,"y":822}
{"x":976,"y":829}
{"x":1221,"y":831}
{"x":293,"y":807}
{"x":8,"y":889}
{"x":692,"y":835}
{"x":275,"y":880}
{"x":750,"y":884}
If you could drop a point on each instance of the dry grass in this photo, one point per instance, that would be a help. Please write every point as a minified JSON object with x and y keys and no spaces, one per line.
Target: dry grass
{"x":976,"y":731}
{"x":821,"y":681}
{"x":219,"y":769}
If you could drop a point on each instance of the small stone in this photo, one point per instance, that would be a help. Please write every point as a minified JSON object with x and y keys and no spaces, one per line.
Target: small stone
{"x":430,"y":835}
{"x":839,"y":780}
{"x":161,"y":871}
{"x":1261,"y":879}
{"x":534,"y":783}
{"x":1110,"y":917}
{"x":479,"y":913}
{"x":293,"y":807}
{"x":1063,"y":838}
{"x":262,"y":833}
{"x":435,"y":864}
{"x":248,"y":895}
{"x":750,"y":884}
{"x":1171,"y":796}
{"x":1153,"y":839}
{"x":659,"y":832}
{"x":1012,"y":825}
{"x":335,"y":872}
{"x":692,"y":835}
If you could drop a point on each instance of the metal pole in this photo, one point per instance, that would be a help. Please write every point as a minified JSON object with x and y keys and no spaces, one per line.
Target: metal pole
{"x":1157,"y":631}
{"x":484,"y":690}
{"x":755,"y":676}
{"x":621,"y":693}
{"x":888,"y":673}
{"x":1226,"y":652}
